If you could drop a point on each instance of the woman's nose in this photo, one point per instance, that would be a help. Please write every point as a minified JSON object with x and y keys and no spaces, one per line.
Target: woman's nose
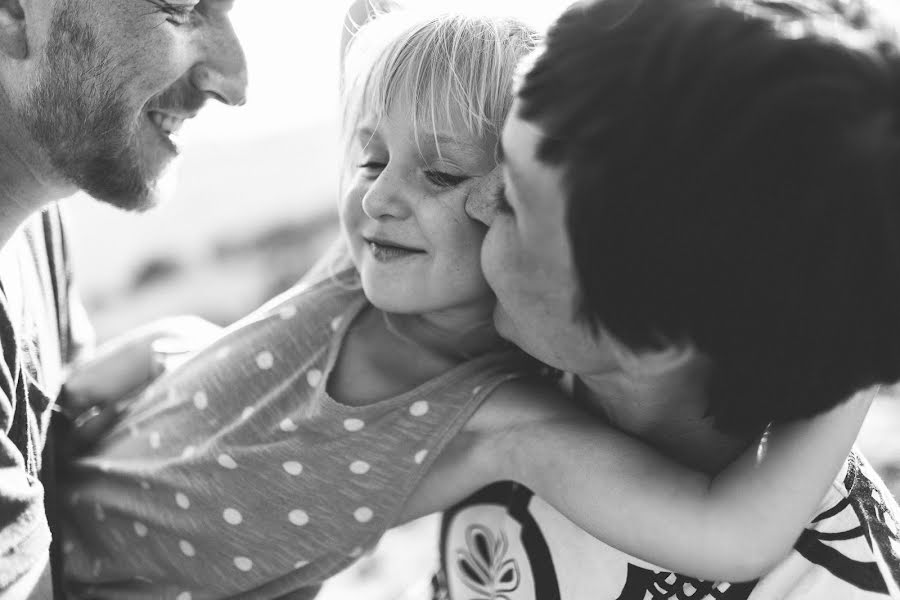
{"x":481,"y":203}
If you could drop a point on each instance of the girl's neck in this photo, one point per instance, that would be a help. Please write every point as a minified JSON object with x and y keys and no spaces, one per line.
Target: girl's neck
{"x":456,"y":334}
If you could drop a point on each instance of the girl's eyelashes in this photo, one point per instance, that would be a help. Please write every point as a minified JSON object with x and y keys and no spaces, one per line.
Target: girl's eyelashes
{"x":373,"y":168}
{"x":372,"y":165}
{"x":442,"y":179}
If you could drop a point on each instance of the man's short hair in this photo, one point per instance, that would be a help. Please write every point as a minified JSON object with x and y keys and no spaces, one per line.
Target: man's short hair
{"x":732,"y":172}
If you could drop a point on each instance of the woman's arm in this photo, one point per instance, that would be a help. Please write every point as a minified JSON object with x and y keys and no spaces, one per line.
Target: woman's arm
{"x":733,"y":527}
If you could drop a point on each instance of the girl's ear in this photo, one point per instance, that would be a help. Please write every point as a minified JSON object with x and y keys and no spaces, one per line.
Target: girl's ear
{"x":13,"y":40}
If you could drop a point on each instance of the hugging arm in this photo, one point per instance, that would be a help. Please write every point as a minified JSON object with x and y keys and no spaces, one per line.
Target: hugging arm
{"x":733,"y":526}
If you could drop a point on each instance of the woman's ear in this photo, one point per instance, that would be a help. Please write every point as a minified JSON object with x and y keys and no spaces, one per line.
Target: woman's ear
{"x":653,"y":363}
{"x":13,"y":38}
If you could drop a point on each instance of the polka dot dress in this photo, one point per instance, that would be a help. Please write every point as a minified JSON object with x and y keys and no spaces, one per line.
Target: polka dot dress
{"x":237,"y":474}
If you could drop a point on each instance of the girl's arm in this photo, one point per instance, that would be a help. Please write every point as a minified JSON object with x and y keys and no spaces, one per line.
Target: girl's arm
{"x":96,"y":384}
{"x":733,"y":527}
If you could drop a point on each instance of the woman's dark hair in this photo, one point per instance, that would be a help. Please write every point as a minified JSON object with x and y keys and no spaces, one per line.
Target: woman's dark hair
{"x":732,"y":171}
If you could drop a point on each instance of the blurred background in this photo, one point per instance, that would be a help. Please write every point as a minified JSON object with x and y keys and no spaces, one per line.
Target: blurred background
{"x":251,"y":206}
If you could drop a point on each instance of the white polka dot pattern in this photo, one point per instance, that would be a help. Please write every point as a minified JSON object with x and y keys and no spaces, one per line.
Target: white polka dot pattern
{"x":313,"y":377}
{"x":363,"y":514}
{"x":182,"y":500}
{"x":360,"y":467}
{"x":140,"y":529}
{"x":247,"y":412}
{"x":226,"y":461}
{"x":243,"y":563}
{"x":418,"y":409}
{"x":232,"y":516}
{"x":188,"y":452}
{"x":201,"y":400}
{"x":187,"y":548}
{"x":184,"y":596}
{"x":287,"y":426}
{"x":293,"y":467}
{"x":420,"y":456}
{"x":353,"y":424}
{"x":298,"y":517}
{"x":265,"y":360}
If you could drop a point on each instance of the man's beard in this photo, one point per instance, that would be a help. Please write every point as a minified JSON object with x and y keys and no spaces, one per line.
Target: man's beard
{"x":77,"y":114}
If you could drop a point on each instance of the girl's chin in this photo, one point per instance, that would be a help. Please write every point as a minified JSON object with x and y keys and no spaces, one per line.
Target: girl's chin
{"x":388,"y":298}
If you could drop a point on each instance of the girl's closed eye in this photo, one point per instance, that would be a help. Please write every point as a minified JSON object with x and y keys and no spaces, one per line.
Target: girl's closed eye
{"x":371,"y":168}
{"x":445,"y":180}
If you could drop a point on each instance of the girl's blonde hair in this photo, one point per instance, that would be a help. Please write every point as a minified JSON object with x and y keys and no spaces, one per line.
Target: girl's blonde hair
{"x":451,"y":69}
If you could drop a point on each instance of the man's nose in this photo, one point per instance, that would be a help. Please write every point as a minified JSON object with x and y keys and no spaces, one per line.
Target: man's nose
{"x":223,"y":73}
{"x":481,"y":203}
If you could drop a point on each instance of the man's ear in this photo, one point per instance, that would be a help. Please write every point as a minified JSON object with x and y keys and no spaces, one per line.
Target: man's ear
{"x":13,"y":38}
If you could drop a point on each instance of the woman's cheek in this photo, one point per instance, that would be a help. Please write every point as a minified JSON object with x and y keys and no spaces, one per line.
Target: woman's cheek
{"x":494,"y":249}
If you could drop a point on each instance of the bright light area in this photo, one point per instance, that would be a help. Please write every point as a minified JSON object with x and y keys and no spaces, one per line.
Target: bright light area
{"x":292,"y":51}
{"x":246,"y":169}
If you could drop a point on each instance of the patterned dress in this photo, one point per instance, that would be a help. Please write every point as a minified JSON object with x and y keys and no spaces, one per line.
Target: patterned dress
{"x":505,"y":543}
{"x":237,"y":475}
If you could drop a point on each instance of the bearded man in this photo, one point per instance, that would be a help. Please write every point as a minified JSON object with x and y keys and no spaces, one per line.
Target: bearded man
{"x":90,"y":95}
